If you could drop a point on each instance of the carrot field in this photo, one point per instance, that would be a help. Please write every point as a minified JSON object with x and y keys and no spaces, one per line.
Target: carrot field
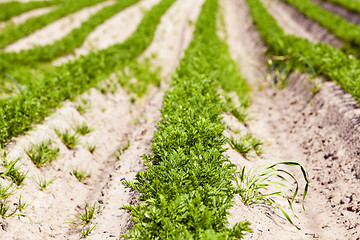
{"x":179,"y":119}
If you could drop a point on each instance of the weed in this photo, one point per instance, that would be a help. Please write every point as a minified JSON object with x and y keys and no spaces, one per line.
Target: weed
{"x":85,"y":217}
{"x":69,"y":140}
{"x":83,"y":129}
{"x":22,"y":205}
{"x":43,"y":153}
{"x":43,"y":183}
{"x":81,"y":175}
{"x":91,"y":148}
{"x":4,"y":208}
{"x":86,"y":231}
{"x":11,"y":171}
{"x":5,"y":192}
{"x":250,"y":184}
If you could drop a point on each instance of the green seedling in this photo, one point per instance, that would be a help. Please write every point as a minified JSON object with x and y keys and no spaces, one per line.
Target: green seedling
{"x":44,"y":183}
{"x":86,"y":231}
{"x":4,"y":208}
{"x":91,"y":148}
{"x":11,"y":171}
{"x":246,"y":144}
{"x":81,"y":175}
{"x":83,"y":129}
{"x":84,"y":218}
{"x":6,"y":192}
{"x":253,"y":186}
{"x":121,"y":151}
{"x":22,"y":205}
{"x":43,"y":153}
{"x":70,"y":140}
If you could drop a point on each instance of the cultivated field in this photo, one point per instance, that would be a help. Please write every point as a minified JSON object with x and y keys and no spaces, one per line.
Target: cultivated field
{"x":179,"y":119}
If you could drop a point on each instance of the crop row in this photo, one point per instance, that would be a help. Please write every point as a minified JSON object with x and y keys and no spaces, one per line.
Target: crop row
{"x":187,"y":185}
{"x":321,"y":58}
{"x":16,"y":8}
{"x":61,"y":47}
{"x":40,"y":97}
{"x":340,"y":27}
{"x":352,"y":5}
{"x":11,"y":33}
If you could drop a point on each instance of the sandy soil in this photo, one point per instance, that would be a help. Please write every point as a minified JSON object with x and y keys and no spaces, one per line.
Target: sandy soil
{"x":104,"y":35}
{"x":293,"y":22}
{"x":318,"y":131}
{"x":52,"y":210}
{"x":55,"y":30}
{"x":25,"y":16}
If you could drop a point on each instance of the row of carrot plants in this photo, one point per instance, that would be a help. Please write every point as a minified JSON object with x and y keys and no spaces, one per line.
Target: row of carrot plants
{"x":39,"y":98}
{"x":186,"y":191}
{"x":340,"y":27}
{"x":61,"y":47}
{"x":12,"y":33}
{"x":323,"y":59}
{"x":352,"y":5}
{"x":11,"y":9}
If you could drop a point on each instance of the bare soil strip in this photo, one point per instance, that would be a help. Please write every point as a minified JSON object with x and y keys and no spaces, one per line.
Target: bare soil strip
{"x":25,"y":16}
{"x":56,"y":30}
{"x":319,"y":131}
{"x":107,"y":34}
{"x":295,"y":23}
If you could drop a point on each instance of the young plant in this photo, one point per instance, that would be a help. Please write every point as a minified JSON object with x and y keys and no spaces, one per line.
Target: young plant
{"x":80,"y":174}
{"x":70,"y":140}
{"x":84,"y":218}
{"x":91,"y":148}
{"x":11,"y":171}
{"x":4,"y":208}
{"x":86,"y":231}
{"x":246,"y":144}
{"x":121,"y":151}
{"x":5,"y":192}
{"x":44,"y":183}
{"x":43,"y":153}
{"x":83,"y":129}
{"x":22,"y":205}
{"x":253,"y":186}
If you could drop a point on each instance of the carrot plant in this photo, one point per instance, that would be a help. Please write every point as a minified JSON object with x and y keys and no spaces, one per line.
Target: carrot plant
{"x":187,"y":185}
{"x":83,"y":129}
{"x":43,"y":183}
{"x":68,"y":139}
{"x":12,"y":171}
{"x":81,"y":175}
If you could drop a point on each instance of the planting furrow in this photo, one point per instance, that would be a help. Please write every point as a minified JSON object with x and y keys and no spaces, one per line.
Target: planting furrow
{"x":104,"y":36}
{"x":295,"y":23}
{"x":56,"y":30}
{"x":13,"y":33}
{"x":23,"y":17}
